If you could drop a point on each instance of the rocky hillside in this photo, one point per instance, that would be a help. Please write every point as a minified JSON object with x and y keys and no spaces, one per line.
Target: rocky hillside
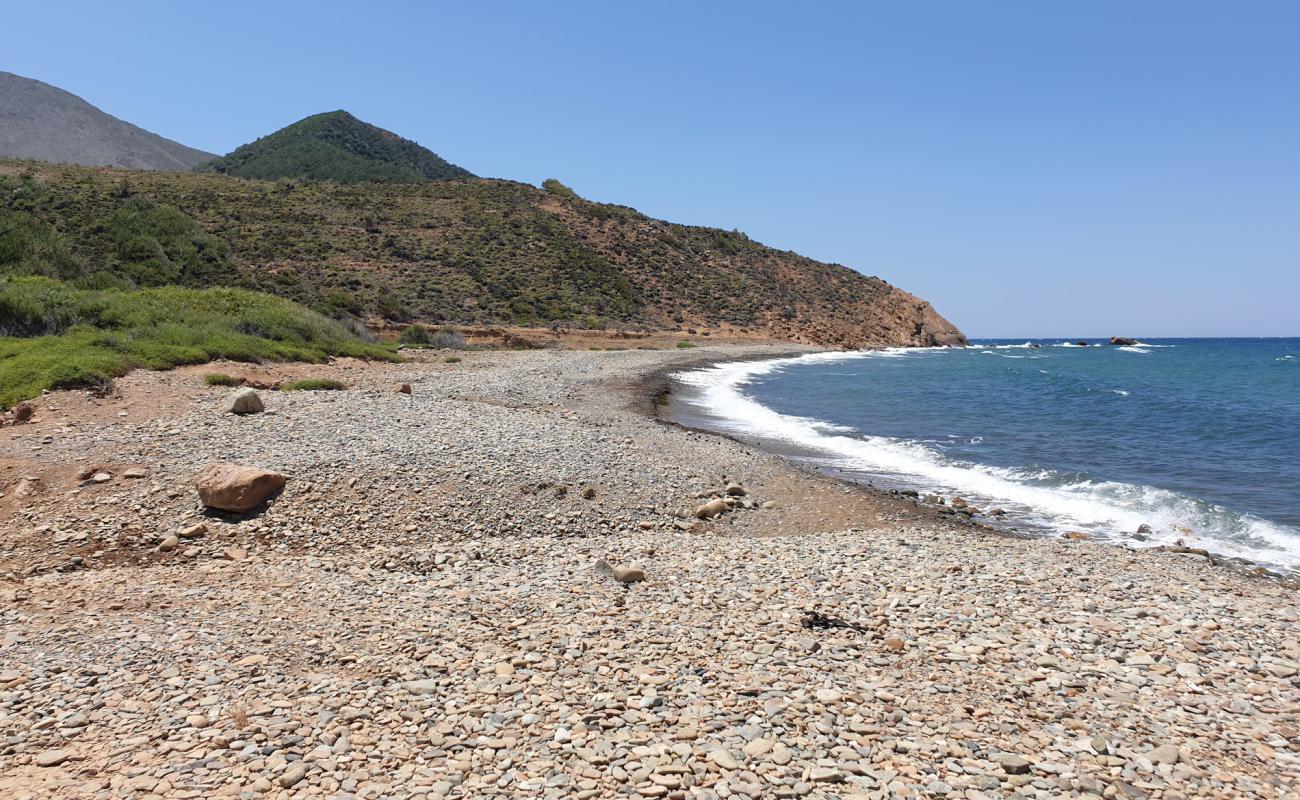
{"x":45,"y":123}
{"x":467,"y":252}
{"x":339,"y":147}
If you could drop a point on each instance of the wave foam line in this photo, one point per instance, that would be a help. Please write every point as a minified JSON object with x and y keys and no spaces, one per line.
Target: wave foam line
{"x":1112,"y":509}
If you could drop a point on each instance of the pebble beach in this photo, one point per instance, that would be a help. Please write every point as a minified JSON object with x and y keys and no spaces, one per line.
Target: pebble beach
{"x":497,"y":585}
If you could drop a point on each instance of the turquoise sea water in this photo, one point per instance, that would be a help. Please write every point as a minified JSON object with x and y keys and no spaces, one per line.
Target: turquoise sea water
{"x":1197,"y":438}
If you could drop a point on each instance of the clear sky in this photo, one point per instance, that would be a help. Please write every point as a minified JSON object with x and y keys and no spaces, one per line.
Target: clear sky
{"x":1031,"y":167}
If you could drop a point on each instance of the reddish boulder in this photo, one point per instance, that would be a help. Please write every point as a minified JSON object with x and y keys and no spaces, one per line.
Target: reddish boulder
{"x":231,"y":487}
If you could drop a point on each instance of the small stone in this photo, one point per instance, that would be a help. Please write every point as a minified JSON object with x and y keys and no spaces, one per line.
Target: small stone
{"x":629,"y":574}
{"x":825,"y":775}
{"x":194,"y":531}
{"x":768,"y":505}
{"x":735,"y":490}
{"x":196,"y":721}
{"x":101,"y":477}
{"x":426,"y":686}
{"x":1282,"y":669}
{"x":52,"y":758}
{"x":1013,"y":764}
{"x":711,"y":509}
{"x":757,"y":748}
{"x":828,"y":696}
{"x":1166,"y":754}
{"x":136,"y":472}
{"x":168,"y":544}
{"x":402,"y":388}
{"x":723,"y":759}
{"x":589,"y":493}
{"x":293,"y":775}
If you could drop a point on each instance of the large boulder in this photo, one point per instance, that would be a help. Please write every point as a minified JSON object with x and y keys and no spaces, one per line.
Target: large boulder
{"x":244,"y":401}
{"x":1123,"y":341}
{"x":231,"y":487}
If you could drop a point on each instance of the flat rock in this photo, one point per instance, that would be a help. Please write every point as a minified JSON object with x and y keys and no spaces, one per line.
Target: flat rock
{"x":51,"y":758}
{"x":1013,"y":764}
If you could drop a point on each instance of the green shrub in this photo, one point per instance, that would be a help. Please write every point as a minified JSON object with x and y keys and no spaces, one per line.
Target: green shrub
{"x":314,"y":385}
{"x":222,"y":379}
{"x":685,"y":345}
{"x":414,"y":335}
{"x":53,"y":336}
{"x":451,"y":360}
{"x":552,"y":186}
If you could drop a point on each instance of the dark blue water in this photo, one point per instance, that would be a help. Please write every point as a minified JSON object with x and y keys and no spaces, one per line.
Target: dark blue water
{"x":1197,"y":438}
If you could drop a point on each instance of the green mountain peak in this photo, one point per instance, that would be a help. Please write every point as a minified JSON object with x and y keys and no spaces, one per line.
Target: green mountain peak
{"x":336,"y":146}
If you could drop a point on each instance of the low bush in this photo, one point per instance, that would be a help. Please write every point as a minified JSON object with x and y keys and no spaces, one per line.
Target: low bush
{"x":222,"y":379}
{"x":314,"y":385}
{"x":451,"y":360}
{"x":685,"y":345}
{"x":414,"y":335}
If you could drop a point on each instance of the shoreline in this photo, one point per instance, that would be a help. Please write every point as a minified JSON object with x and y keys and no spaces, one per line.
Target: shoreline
{"x":660,"y":386}
{"x":423,"y":612}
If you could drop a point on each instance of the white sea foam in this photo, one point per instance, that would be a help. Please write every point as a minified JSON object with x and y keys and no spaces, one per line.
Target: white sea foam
{"x":1134,"y":349}
{"x":1111,"y":510}
{"x":1120,"y":392}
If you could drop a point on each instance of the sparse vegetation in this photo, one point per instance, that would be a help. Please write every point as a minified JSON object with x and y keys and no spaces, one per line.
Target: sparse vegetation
{"x":55,"y":336}
{"x":475,"y":252}
{"x":222,"y":379}
{"x":416,"y":335}
{"x":685,"y":345}
{"x":420,"y":336}
{"x":314,"y":385}
{"x":447,"y":339}
{"x":451,"y":360}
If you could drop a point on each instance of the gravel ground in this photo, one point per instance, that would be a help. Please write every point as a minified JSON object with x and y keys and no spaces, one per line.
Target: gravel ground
{"x":427,"y":611}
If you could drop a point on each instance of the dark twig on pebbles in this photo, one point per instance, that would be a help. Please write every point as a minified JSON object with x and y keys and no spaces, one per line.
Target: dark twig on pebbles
{"x":815,"y":620}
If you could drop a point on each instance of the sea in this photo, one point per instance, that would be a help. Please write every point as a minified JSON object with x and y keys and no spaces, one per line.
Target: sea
{"x":1195,"y":441}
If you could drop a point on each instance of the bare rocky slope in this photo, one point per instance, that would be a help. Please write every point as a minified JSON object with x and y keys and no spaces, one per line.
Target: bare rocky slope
{"x":46,"y":123}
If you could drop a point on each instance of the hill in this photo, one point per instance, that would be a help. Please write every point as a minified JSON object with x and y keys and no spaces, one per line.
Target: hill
{"x":339,"y":147}
{"x":45,"y":123}
{"x":466,"y":252}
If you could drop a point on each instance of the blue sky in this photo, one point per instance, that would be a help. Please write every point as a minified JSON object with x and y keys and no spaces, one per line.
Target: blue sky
{"x":1032,"y":168}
